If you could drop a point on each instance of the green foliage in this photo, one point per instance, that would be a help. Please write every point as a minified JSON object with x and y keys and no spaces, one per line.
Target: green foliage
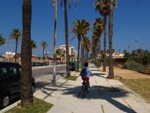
{"x":134,"y":66}
{"x":2,"y":40}
{"x":139,"y":56}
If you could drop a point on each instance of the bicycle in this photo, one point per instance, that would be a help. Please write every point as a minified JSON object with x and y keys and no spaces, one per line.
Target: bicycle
{"x":84,"y":88}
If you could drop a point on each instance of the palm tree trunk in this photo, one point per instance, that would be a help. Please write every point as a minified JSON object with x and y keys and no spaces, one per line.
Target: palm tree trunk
{"x":82,"y":55}
{"x":26,"y":51}
{"x":66,"y":37}
{"x":105,"y":36}
{"x":16,"y":49}
{"x":87,"y":55}
{"x":111,"y":71}
{"x":78,"y":53}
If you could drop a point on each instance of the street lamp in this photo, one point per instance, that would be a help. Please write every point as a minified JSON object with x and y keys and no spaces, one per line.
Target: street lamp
{"x":46,"y":53}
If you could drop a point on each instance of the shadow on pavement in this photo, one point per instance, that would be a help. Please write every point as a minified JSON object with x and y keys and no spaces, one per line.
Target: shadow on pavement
{"x":105,"y":93}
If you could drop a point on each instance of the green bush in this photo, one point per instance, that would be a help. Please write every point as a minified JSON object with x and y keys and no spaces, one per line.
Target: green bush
{"x":134,"y":66}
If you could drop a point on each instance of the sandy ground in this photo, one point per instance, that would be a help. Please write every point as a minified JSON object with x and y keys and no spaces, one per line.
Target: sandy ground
{"x":127,"y":74}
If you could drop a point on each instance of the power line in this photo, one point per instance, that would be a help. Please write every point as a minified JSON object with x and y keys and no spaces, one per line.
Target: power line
{"x":129,"y":14}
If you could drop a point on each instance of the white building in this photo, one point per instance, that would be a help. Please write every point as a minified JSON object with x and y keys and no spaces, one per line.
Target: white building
{"x":72,"y":51}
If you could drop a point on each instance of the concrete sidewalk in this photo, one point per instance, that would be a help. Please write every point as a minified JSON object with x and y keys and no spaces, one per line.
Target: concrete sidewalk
{"x":105,"y":96}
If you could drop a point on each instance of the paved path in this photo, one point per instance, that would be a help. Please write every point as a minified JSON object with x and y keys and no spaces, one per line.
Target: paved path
{"x":105,"y":96}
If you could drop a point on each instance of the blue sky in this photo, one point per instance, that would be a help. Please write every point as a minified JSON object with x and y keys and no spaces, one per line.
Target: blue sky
{"x":131,"y":23}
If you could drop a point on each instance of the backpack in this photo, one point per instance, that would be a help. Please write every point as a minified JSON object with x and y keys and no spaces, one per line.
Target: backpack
{"x":83,"y":72}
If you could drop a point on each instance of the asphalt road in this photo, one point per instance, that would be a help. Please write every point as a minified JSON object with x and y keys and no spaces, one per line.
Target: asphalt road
{"x":44,"y":74}
{"x":44,"y":70}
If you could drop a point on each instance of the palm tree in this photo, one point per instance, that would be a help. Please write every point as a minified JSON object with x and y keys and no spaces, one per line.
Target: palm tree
{"x":94,"y":45}
{"x":97,"y":32}
{"x":26,"y":51}
{"x":87,"y":45}
{"x":66,"y":33}
{"x":60,"y":52}
{"x":80,"y":28}
{"x":15,"y":35}
{"x":33,"y":44}
{"x":66,"y":37}
{"x":98,"y":29}
{"x":2,"y":40}
{"x":102,"y":6}
{"x":112,"y":4}
{"x":44,"y":45}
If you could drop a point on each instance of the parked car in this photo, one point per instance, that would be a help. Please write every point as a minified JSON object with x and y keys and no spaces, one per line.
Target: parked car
{"x":72,"y":66}
{"x":10,"y":74}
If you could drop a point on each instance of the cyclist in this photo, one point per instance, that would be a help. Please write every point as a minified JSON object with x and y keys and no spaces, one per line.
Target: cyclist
{"x":86,"y":75}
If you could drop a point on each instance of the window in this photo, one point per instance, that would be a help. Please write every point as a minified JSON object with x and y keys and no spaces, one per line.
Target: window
{"x":3,"y":71}
{"x":13,"y":70}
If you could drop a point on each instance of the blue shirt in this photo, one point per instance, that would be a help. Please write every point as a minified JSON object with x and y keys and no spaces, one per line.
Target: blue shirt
{"x":88,"y":72}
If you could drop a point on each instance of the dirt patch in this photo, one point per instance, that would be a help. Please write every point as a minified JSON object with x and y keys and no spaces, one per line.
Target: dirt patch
{"x":127,"y":74}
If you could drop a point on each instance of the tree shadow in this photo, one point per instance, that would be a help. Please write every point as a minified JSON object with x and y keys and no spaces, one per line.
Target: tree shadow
{"x":100,"y":92}
{"x":47,"y":87}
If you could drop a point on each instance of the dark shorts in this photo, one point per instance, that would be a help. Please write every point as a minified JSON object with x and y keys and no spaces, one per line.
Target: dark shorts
{"x":85,"y":78}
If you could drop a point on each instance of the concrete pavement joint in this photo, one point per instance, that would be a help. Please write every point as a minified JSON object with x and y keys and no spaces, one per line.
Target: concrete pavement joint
{"x":129,"y":106}
{"x":95,"y":81}
{"x":102,"y":108}
{"x":55,"y":90}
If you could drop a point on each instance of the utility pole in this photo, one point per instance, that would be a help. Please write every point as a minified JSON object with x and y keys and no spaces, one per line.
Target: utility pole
{"x":137,"y":41}
{"x":54,"y":51}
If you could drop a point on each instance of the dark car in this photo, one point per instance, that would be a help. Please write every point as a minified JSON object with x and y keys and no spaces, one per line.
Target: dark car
{"x":10,"y":74}
{"x":72,"y":66}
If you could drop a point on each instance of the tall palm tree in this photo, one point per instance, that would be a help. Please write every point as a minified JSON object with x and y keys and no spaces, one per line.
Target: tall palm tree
{"x":26,"y":51}
{"x":66,"y":37}
{"x":2,"y":40}
{"x":97,"y":32}
{"x":44,"y":45}
{"x":87,"y":45}
{"x":94,"y":45}
{"x":98,"y":29}
{"x":102,"y":6}
{"x":15,"y":35}
{"x":80,"y":28}
{"x":66,"y":32}
{"x":112,"y":4}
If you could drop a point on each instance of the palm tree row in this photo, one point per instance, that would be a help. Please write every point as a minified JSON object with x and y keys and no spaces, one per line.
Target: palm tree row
{"x":106,"y":8}
{"x":97,"y":32}
{"x":80,"y":28}
{"x":16,"y":35}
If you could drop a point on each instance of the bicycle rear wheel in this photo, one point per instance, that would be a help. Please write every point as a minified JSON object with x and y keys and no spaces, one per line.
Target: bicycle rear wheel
{"x":84,"y":90}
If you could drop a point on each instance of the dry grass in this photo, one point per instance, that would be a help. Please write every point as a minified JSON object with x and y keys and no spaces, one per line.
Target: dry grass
{"x":127,"y":74}
{"x":136,"y":81}
{"x":141,"y":86}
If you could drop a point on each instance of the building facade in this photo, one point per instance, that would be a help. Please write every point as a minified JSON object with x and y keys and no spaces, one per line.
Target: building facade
{"x":72,"y":52}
